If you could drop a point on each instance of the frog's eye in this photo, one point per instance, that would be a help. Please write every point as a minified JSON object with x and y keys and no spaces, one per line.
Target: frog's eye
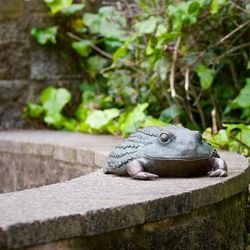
{"x":164,"y":137}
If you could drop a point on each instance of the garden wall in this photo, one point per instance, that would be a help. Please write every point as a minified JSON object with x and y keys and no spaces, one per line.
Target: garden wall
{"x":25,"y":67}
{"x":99,"y":211}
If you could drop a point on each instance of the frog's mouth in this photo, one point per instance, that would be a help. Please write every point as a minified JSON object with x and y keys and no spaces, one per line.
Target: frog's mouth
{"x":180,"y":158}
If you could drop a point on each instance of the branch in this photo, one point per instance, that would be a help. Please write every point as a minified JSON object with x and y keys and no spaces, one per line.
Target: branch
{"x":199,"y":108}
{"x":214,"y":125}
{"x":172,"y":72}
{"x":186,"y":86}
{"x":234,"y":31}
{"x":102,"y":52}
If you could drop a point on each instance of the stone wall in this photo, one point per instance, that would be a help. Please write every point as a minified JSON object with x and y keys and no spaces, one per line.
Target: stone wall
{"x":25,"y":67}
{"x":99,"y":211}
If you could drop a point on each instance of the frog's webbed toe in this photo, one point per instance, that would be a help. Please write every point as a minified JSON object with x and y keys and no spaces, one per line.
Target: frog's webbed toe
{"x":219,"y":168}
{"x":136,"y":171}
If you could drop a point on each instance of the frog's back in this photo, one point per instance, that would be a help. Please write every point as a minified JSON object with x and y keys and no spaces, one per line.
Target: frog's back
{"x":130,"y":149}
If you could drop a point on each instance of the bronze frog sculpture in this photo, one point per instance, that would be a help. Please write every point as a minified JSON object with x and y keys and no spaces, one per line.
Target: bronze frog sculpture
{"x":165,"y":151}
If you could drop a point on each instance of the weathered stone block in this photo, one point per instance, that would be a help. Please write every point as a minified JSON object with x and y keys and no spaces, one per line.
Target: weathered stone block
{"x":11,"y":8}
{"x":7,"y":175}
{"x":48,"y":63}
{"x":66,"y":154}
{"x":100,"y":159}
{"x":85,"y":157}
{"x":14,"y":61}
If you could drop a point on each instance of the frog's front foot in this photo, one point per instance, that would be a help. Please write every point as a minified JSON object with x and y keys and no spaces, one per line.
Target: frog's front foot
{"x":219,"y":168}
{"x":136,"y":171}
{"x":145,"y":176}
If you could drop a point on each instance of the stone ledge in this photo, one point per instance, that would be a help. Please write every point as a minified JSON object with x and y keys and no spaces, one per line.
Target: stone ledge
{"x":67,"y":147}
{"x":97,"y":203}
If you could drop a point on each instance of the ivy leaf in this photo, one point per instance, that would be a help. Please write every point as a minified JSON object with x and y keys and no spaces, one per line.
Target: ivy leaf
{"x":98,"y":119}
{"x":108,"y":23}
{"x":72,"y":9}
{"x":83,"y":48}
{"x":34,"y":110}
{"x":57,"y":5}
{"x":170,"y":113}
{"x":84,"y":127}
{"x":53,"y":100}
{"x":206,"y":76}
{"x":147,"y":26}
{"x":95,"y":64}
{"x":122,"y":51}
{"x":151,"y":121}
{"x":221,"y":139}
{"x":162,"y":67}
{"x":243,"y":99}
{"x":215,"y":5}
{"x":93,"y":22}
{"x":46,"y":35}
{"x":82,"y":112}
{"x":193,"y":8}
{"x":70,"y":124}
{"x":56,"y":120}
{"x":134,"y":119}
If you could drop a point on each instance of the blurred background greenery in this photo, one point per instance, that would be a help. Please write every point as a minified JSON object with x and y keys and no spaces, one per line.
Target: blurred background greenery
{"x":148,"y":62}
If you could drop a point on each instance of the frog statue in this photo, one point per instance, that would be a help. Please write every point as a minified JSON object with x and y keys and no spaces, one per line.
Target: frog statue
{"x":165,"y":151}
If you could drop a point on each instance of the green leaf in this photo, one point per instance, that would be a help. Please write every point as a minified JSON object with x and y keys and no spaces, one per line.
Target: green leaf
{"x":98,"y":119}
{"x":55,"y":119}
{"x":34,"y":110}
{"x":161,"y":30}
{"x":147,"y":26}
{"x":46,"y":35}
{"x":73,"y":9}
{"x":93,"y":22}
{"x":170,"y":113}
{"x":82,"y":112}
{"x":243,"y":99}
{"x":221,"y":138}
{"x":84,"y":127}
{"x":193,"y":7}
{"x":57,"y":5}
{"x":151,"y":121}
{"x":95,"y":64}
{"x":108,"y":23}
{"x":70,"y":124}
{"x":53,"y":100}
{"x":161,"y":67}
{"x":215,"y":5}
{"x":134,"y":119}
{"x":121,"y":52}
{"x":83,"y":48}
{"x":206,"y":76}
{"x":207,"y":135}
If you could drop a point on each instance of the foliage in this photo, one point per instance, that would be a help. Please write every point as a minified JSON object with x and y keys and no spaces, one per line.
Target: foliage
{"x":184,"y":62}
{"x":53,"y":101}
{"x":46,"y":35}
{"x":235,"y":137}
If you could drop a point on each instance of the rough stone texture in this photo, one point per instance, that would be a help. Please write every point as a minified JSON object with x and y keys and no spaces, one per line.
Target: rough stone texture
{"x":194,"y":231}
{"x":26,"y":67}
{"x":31,"y":159}
{"x":99,"y":211}
{"x":20,"y":172}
